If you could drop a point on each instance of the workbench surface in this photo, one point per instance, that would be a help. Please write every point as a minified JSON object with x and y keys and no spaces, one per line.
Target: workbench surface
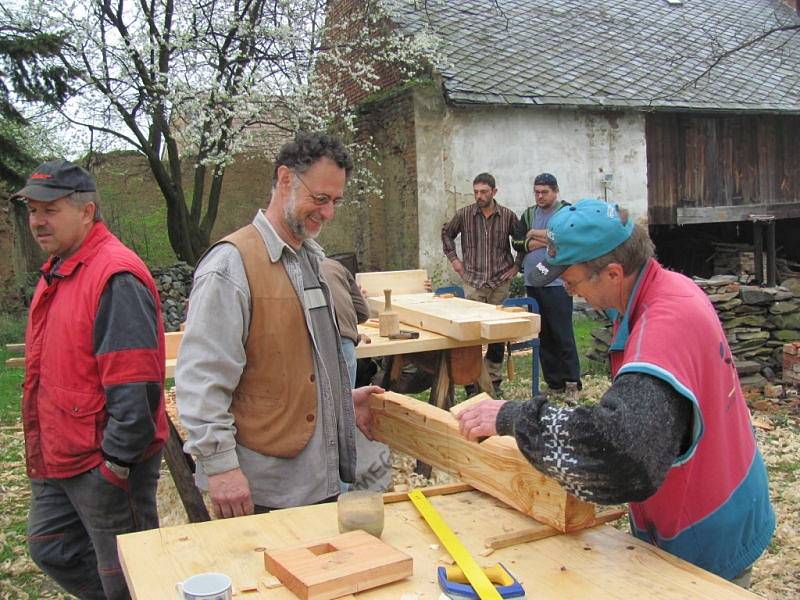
{"x":382,"y":346}
{"x":594,"y":564}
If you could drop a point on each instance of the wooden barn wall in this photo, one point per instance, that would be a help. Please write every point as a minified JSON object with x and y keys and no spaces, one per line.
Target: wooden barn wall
{"x":705,"y":161}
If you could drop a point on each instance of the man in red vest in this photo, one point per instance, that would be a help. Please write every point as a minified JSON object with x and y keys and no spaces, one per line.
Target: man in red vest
{"x":672,"y":436}
{"x":93,"y":403}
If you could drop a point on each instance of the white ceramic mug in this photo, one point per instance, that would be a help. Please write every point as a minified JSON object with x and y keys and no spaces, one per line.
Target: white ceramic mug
{"x":206,"y":586}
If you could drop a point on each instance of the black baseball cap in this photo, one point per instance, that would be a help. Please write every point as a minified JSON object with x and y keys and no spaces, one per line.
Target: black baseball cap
{"x":546,"y":179}
{"x":55,"y":179}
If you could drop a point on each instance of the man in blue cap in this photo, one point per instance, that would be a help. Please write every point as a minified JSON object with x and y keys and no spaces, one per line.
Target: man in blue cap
{"x":672,"y":435}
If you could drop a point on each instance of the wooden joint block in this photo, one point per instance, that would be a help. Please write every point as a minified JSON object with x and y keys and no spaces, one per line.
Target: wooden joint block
{"x":337,"y":566}
{"x":511,"y":309}
{"x":505,"y":329}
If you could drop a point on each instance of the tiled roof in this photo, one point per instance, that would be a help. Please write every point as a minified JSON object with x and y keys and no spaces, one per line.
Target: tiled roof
{"x":613,"y":53}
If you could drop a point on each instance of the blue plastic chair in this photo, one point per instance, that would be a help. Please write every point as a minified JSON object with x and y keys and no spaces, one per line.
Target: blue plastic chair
{"x":533,"y":344}
{"x":456,"y":290}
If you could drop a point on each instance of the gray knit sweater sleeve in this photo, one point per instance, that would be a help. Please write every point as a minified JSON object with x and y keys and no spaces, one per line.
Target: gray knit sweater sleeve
{"x":619,"y":450}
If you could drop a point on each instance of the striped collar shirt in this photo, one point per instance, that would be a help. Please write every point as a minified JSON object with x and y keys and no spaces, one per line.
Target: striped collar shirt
{"x":485,"y":243}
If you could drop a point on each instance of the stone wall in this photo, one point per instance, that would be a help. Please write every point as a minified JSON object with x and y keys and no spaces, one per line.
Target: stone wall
{"x":174,"y":285}
{"x":758,"y":322}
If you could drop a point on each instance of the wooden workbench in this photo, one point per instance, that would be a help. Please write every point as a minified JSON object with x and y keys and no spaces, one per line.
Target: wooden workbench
{"x":379,"y":346}
{"x":594,"y":564}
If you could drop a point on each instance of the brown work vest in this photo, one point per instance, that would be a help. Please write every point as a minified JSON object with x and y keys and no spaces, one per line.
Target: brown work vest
{"x":275,"y":404}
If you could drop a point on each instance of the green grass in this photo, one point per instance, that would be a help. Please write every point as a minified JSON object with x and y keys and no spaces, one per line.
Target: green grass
{"x":12,"y":328}
{"x":10,"y":392}
{"x":583,"y":326}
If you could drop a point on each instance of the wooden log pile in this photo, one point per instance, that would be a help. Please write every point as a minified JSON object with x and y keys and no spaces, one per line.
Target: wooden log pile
{"x":758,"y":322}
{"x":739,"y":259}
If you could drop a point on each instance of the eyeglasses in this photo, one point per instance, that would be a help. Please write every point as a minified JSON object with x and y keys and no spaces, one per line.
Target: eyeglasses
{"x":573,"y":287}
{"x":319,"y":199}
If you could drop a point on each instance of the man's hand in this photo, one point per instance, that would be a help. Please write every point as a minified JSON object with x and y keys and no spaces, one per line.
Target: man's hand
{"x":478,"y":420}
{"x":361,"y":406}
{"x":534,"y":244}
{"x":537,"y":234}
{"x":510,"y":273}
{"x":230,"y":494}
{"x":458,"y":267}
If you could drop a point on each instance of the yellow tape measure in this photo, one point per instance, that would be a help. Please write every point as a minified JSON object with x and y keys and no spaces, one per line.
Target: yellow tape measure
{"x":475,"y":575}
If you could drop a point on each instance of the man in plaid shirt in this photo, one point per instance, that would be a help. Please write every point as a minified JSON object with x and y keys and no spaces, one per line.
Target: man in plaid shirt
{"x":487,"y":266}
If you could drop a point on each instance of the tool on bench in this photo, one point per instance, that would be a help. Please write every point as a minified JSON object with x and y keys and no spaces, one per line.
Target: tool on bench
{"x":481,"y":585}
{"x":404,"y":334}
{"x":456,"y":586}
{"x":388,"y":320}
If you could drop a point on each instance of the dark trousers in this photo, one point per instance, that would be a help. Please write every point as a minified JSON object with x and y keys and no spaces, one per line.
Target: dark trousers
{"x":73,"y":525}
{"x":557,"y":350}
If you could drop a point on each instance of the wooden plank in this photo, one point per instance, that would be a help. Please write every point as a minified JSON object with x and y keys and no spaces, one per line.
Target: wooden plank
{"x":722,"y":214}
{"x":181,"y":467}
{"x":434,"y":490}
{"x":458,"y":318}
{"x":333,"y":567}
{"x":15,"y":362}
{"x":172,"y":343}
{"x":541,"y":531}
{"x":601,"y":563}
{"x":16,"y":348}
{"x":495,"y":466}
{"x":496,"y":330}
{"x":400,"y":282}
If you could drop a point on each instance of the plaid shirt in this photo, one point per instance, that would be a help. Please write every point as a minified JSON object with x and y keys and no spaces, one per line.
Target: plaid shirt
{"x":485,"y":243}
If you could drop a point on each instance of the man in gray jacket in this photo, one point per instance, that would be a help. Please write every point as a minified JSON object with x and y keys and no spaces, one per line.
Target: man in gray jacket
{"x":262,"y":386}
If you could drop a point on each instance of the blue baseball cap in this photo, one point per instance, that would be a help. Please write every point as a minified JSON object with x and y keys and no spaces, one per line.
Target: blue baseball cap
{"x":579,"y":233}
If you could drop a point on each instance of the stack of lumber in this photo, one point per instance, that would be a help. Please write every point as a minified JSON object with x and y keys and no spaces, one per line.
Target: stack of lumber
{"x":739,"y":260}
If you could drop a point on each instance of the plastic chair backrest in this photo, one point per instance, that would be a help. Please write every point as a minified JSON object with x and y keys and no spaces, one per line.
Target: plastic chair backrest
{"x":456,"y":290}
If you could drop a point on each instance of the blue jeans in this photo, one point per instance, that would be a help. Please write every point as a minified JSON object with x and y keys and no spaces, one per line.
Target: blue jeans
{"x":73,"y":525}
{"x":349,"y":351}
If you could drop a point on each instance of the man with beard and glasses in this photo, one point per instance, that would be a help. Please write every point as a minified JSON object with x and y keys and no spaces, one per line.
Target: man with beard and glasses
{"x":262,"y":385}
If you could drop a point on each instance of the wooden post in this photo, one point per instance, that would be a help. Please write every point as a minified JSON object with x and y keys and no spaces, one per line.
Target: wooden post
{"x":772,"y":259}
{"x":758,"y":251}
{"x":181,"y":466}
{"x":441,"y":396}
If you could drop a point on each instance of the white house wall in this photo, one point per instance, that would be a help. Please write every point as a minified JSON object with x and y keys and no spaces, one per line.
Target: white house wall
{"x":578,"y":147}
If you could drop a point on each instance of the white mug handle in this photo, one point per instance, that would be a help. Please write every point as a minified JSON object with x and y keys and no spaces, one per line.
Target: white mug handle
{"x":179,"y":589}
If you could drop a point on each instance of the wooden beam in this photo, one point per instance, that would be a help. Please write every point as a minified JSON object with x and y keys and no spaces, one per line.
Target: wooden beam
{"x":172,"y":343}
{"x":181,"y":467}
{"x":460,"y":319}
{"x":433,"y":490}
{"x":400,"y":282}
{"x":16,"y":362}
{"x":542,"y":531}
{"x":495,"y":466}
{"x":15,"y":348}
{"x":740,"y":212}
